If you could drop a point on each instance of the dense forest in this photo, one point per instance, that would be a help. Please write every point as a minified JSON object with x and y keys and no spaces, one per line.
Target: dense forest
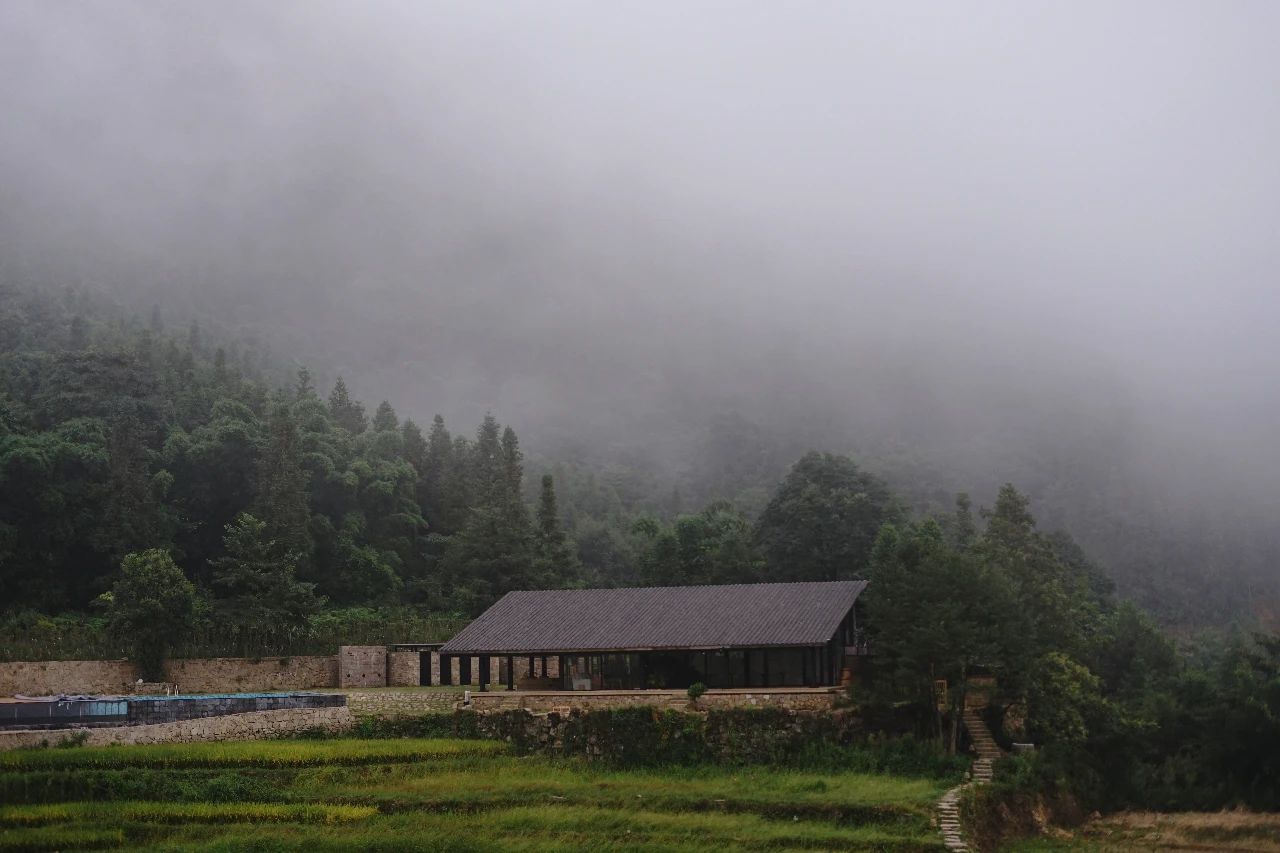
{"x":157,"y":485}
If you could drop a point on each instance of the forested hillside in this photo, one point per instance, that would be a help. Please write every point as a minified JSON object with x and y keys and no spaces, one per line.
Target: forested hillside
{"x":126,"y":432}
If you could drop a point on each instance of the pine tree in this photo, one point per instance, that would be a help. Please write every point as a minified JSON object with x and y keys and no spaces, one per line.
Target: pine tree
{"x":384,"y":419}
{"x":554,"y":559}
{"x":489,"y":477}
{"x":258,"y":594}
{"x":283,"y":501}
{"x":304,"y":387}
{"x":347,"y":413}
{"x":220,"y":367}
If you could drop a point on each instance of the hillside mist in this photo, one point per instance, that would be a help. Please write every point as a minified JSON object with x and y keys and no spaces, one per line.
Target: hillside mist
{"x":680,"y":247}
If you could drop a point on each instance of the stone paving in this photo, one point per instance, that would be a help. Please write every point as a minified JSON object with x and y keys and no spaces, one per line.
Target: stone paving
{"x":949,"y":806}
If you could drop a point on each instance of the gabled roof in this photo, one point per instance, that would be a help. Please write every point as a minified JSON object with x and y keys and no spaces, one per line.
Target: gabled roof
{"x":663,"y":617}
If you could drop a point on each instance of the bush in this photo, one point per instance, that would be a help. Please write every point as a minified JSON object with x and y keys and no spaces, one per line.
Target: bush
{"x":696,"y":691}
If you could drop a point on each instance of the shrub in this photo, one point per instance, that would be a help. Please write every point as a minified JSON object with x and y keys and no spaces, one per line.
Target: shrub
{"x":696,"y":691}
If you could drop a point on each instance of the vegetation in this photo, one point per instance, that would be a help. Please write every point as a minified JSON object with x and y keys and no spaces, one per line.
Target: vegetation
{"x":349,"y":795}
{"x":166,"y":492}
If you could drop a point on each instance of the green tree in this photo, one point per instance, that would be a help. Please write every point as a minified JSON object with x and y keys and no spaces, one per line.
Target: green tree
{"x":150,"y":608}
{"x":258,"y":593}
{"x":347,"y":413}
{"x":384,"y":419}
{"x":933,"y":613}
{"x":554,"y":561}
{"x":823,"y":520}
{"x":713,"y":546}
{"x":283,"y":502}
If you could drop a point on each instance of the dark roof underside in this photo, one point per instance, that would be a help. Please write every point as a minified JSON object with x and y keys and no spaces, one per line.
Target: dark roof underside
{"x":668,"y":617}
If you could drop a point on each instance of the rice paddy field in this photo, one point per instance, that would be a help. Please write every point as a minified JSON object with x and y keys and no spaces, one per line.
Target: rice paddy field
{"x":448,"y":795}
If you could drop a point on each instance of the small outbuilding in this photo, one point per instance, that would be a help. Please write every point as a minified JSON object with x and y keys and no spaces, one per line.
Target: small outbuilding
{"x":731,"y":636}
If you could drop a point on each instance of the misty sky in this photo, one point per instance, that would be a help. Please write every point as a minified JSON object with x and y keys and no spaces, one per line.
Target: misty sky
{"x":601,"y":214}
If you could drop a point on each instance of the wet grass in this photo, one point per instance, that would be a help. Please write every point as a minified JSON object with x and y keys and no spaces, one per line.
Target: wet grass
{"x":439,"y":795}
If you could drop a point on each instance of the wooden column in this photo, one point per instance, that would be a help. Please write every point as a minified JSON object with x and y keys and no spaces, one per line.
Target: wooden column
{"x":511,"y":671}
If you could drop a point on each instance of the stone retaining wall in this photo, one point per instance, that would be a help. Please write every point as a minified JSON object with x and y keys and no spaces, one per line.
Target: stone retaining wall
{"x":236,"y":675}
{"x":197,"y":675}
{"x":791,"y":698}
{"x":252,"y":726}
{"x":402,"y":703}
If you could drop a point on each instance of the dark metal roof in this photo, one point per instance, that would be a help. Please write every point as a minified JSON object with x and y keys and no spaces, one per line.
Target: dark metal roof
{"x":665,"y":617}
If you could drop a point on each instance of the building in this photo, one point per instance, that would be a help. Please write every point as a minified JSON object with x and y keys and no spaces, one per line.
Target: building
{"x":732,"y":636}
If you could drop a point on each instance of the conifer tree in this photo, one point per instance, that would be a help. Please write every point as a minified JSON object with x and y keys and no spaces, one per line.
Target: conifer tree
{"x":490,"y":484}
{"x":305,"y":387}
{"x":283,"y":499}
{"x":554,"y":557}
{"x":347,"y":413}
{"x":384,"y":419}
{"x":258,"y":594}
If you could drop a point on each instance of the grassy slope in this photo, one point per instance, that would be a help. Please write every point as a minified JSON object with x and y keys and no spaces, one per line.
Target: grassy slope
{"x":438,"y":795}
{"x":1200,"y":831}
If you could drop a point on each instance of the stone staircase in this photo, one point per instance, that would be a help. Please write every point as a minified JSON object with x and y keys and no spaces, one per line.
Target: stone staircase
{"x":983,"y":744}
{"x":987,"y":751}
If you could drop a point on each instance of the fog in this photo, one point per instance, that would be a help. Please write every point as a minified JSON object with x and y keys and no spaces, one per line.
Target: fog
{"x":1014,"y":240}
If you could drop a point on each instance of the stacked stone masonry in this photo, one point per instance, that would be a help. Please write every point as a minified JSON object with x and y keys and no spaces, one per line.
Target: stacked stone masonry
{"x":403,"y":703}
{"x":362,"y":666}
{"x":404,"y":669}
{"x":201,"y":675}
{"x":795,"y":699}
{"x":251,"y":726}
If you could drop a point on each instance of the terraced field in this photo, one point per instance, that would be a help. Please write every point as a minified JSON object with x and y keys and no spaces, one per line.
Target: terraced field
{"x":438,"y":795}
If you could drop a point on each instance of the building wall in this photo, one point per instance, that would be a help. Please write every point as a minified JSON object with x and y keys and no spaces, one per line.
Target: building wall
{"x":362,"y":666}
{"x":404,"y":669}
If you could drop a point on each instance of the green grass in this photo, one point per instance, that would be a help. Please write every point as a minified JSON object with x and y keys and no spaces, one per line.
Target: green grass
{"x":439,"y":795}
{"x":304,"y":753}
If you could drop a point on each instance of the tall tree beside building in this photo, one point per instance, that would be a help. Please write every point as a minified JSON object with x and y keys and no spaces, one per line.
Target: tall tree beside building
{"x":823,"y":519}
{"x":554,"y":563}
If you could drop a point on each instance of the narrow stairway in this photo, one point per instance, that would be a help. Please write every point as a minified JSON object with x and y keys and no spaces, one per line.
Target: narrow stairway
{"x":949,"y":806}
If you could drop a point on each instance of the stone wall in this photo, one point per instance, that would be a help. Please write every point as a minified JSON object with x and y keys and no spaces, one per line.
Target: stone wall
{"x":404,"y":669}
{"x":251,"y":726}
{"x":403,"y":703}
{"x":362,"y":666}
{"x":201,"y":675}
{"x":51,"y":677}
{"x":637,"y":736}
{"x":791,"y":698}
{"x":236,"y":675}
